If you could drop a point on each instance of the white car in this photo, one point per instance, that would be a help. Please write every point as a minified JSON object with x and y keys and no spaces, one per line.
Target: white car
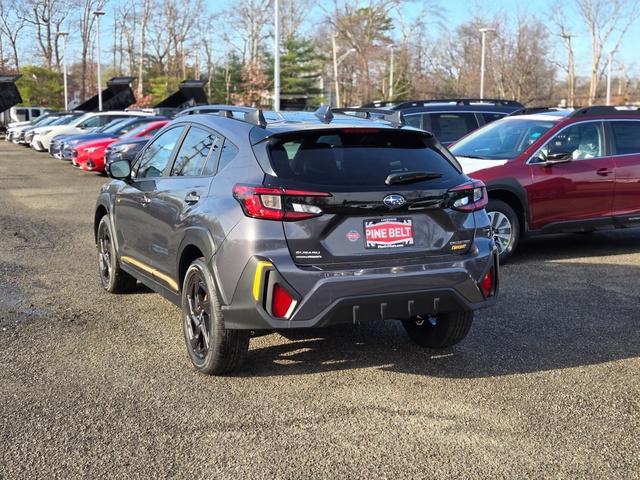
{"x":83,"y":124}
{"x":15,"y":129}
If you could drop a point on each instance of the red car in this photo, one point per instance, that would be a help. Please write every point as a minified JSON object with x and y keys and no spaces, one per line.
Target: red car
{"x":551,"y":171}
{"x":90,"y":155}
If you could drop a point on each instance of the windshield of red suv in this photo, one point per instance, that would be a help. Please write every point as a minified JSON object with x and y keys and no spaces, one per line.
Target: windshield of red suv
{"x":503,"y":139}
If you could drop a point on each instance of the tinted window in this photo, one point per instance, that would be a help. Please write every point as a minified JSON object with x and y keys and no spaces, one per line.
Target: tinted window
{"x":626,"y":137}
{"x":155,"y":158}
{"x":35,"y":113}
{"x":504,"y":139}
{"x":449,"y":127}
{"x":351,"y":158}
{"x":212,"y":163}
{"x":413,"y":120}
{"x":229,"y":151}
{"x":492,"y":117}
{"x":580,"y":141}
{"x":193,"y":153}
{"x":91,"y":122}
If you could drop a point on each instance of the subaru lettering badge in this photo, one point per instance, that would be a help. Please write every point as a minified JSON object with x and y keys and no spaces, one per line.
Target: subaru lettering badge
{"x":394,"y":200}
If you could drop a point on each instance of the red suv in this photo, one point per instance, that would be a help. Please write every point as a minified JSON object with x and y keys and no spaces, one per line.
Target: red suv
{"x":551,"y":171}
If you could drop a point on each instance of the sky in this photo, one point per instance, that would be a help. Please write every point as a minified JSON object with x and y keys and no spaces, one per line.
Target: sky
{"x":456,"y":12}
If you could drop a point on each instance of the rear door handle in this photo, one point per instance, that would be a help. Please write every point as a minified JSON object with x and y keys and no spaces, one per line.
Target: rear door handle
{"x":192,"y":198}
{"x":144,"y":200}
{"x":603,"y":172}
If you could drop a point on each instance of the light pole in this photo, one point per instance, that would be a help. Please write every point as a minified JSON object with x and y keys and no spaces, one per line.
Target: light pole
{"x":98,"y":14}
{"x":609,"y":64}
{"x":483,"y":31}
{"x":570,"y":70}
{"x":64,"y":35}
{"x":336,"y":62}
{"x":276,"y":57}
{"x":391,"y":67}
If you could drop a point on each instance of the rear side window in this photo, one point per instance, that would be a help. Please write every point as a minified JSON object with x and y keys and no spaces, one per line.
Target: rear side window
{"x":354,"y":157}
{"x":229,"y":151}
{"x":492,"y":117}
{"x":626,"y":137}
{"x":193,"y":153}
{"x":449,"y":127}
{"x":413,"y":120}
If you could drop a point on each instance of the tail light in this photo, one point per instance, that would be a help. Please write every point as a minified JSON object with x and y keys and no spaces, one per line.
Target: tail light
{"x":276,"y":203}
{"x":487,"y":284}
{"x":469,"y":197}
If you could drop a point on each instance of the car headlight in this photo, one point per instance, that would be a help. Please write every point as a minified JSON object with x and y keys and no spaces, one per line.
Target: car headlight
{"x":121,"y":148}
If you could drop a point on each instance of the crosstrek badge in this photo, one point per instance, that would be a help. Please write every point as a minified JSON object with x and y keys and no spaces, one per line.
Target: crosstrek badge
{"x":388,"y":233}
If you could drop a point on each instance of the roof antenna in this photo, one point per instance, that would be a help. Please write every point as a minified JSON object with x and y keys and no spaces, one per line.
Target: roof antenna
{"x":324,"y":113}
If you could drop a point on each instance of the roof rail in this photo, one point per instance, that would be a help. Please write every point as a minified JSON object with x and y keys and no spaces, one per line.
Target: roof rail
{"x":606,"y":110}
{"x":394,"y":117}
{"x":532,"y":110}
{"x":459,"y":101}
{"x":251,"y":115}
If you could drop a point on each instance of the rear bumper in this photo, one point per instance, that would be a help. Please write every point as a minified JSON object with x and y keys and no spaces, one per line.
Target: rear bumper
{"x":356,"y":296}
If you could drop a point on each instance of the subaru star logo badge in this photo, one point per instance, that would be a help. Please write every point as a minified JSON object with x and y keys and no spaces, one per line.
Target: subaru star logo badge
{"x":394,"y":200}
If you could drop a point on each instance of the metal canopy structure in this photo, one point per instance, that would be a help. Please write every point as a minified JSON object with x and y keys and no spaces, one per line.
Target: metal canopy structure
{"x":117,"y":96}
{"x":9,"y":94}
{"x":190,"y":94}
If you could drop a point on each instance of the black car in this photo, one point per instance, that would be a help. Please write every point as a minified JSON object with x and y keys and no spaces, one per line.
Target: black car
{"x":451,"y":119}
{"x":305,"y":221}
{"x":124,"y":150}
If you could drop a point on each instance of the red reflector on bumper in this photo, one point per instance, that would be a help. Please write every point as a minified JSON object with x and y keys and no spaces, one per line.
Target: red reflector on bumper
{"x":486,"y":284}
{"x":281,"y":302}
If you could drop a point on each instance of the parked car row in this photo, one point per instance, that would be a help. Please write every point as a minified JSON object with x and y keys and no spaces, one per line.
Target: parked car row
{"x":86,"y":139}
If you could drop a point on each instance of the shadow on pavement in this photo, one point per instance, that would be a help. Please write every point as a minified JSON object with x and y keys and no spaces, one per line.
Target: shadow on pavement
{"x":551,"y":315}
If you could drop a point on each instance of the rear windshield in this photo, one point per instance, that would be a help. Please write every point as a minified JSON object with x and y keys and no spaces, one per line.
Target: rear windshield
{"x":355,"y":157}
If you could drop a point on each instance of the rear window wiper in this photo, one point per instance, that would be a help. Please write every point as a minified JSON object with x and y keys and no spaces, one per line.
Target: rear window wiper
{"x":410,"y":177}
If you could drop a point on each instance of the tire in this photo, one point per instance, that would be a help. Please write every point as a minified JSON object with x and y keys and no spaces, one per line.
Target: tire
{"x":112,"y":278}
{"x":212,"y":348}
{"x":505,"y":219}
{"x":439,"y":331}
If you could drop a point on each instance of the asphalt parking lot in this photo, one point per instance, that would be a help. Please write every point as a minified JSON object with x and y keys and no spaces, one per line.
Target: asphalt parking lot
{"x":547,"y":384}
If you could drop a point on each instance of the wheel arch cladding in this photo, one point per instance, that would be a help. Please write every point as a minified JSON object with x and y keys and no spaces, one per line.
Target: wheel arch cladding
{"x":196,"y":243}
{"x":189,"y":253}
{"x":101,"y":211}
{"x":516,"y":200}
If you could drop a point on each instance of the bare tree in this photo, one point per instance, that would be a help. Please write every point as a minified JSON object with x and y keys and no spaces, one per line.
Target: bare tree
{"x":145,"y":11}
{"x":365,"y":30}
{"x":86,"y":23}
{"x":10,"y":27}
{"x":46,"y":18}
{"x":607,"y":21}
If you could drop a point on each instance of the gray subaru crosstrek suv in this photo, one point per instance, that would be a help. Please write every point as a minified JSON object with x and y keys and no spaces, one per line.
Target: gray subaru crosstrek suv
{"x":297,"y":220}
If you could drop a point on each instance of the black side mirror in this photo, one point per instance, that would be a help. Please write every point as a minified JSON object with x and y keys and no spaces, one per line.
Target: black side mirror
{"x":556,"y":158}
{"x":120,"y":170}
